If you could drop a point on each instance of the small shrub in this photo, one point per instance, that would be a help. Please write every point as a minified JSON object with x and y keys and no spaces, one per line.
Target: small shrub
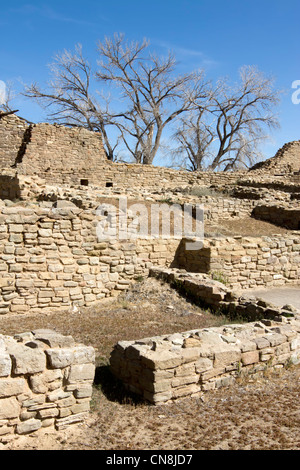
{"x":219,"y":276}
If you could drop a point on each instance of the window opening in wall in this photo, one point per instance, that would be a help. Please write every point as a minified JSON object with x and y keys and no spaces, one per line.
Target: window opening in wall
{"x":109,"y":184}
{"x":84,"y":182}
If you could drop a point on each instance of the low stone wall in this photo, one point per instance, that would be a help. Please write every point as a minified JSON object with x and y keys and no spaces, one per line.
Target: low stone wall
{"x":45,"y":381}
{"x":283,"y":216}
{"x":212,"y":294}
{"x":245,"y":262}
{"x":169,"y":367}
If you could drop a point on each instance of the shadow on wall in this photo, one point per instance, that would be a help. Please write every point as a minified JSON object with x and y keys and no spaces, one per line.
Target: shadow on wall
{"x":9,"y":187}
{"x":193,"y":261}
{"x":281,"y":216}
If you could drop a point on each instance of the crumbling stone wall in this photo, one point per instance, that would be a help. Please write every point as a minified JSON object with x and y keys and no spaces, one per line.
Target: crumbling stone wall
{"x":14,"y":186}
{"x":45,"y":381}
{"x":210,"y":293}
{"x":285,"y":161}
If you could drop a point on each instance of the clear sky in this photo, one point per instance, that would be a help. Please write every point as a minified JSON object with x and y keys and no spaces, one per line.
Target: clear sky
{"x":219,"y":36}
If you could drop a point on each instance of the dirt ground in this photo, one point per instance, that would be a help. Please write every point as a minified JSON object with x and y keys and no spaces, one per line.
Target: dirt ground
{"x":248,"y":227}
{"x":253,"y":415}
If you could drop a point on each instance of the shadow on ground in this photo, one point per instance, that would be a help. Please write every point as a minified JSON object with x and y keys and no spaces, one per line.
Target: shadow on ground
{"x":113,"y":389}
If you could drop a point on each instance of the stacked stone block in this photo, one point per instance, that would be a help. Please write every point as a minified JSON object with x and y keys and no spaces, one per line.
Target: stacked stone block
{"x":287,"y":216}
{"x":45,"y":381}
{"x":50,"y":257}
{"x":166,"y":368}
{"x":246,"y":262}
{"x":12,"y":131}
{"x":213,"y":294}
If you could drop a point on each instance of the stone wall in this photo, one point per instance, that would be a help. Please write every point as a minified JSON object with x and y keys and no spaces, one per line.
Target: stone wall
{"x":286,"y":161}
{"x":75,"y":156}
{"x":12,"y":132}
{"x":169,"y":367}
{"x":212,"y":294}
{"x":287,"y":216}
{"x":62,"y":155}
{"x":51,"y":257}
{"x":45,"y":381}
{"x":245,"y":262}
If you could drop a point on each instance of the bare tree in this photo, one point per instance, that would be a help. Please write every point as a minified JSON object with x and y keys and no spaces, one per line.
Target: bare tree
{"x":153,"y":97}
{"x":69,"y":98}
{"x":7,"y":96}
{"x":226,"y":132}
{"x":194,"y":138}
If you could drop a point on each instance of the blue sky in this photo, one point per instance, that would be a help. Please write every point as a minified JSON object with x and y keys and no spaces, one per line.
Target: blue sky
{"x":219,"y":36}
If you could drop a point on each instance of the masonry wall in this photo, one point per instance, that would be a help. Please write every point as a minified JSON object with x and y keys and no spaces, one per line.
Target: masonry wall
{"x":60,"y":154}
{"x":12,"y":131}
{"x":51,"y":257}
{"x":75,"y":156}
{"x":246,"y":262}
{"x":286,"y":160}
{"x":285,"y":216}
{"x":169,"y":367}
{"x":45,"y":382}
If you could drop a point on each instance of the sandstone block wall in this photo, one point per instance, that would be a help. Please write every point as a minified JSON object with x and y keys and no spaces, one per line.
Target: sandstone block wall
{"x":57,"y":153}
{"x":245,"y":262}
{"x":62,"y":155}
{"x":45,"y":381}
{"x":169,"y":367}
{"x":213,"y":294}
{"x":75,"y":156}
{"x":12,"y":131}
{"x":50,"y":257}
{"x":283,"y":216}
{"x":286,"y":160}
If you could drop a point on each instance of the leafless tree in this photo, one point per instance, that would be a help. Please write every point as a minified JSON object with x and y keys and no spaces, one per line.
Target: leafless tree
{"x":151,"y":94}
{"x":7,"y":96}
{"x":69,"y":99}
{"x":194,"y":138}
{"x":226,"y":132}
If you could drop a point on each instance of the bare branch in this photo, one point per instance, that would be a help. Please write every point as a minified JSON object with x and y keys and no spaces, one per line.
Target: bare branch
{"x":233,"y":122}
{"x":153,"y":95}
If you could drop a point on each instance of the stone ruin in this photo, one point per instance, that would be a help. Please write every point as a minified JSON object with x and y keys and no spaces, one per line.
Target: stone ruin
{"x":52,"y":181}
{"x":45,"y":382}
